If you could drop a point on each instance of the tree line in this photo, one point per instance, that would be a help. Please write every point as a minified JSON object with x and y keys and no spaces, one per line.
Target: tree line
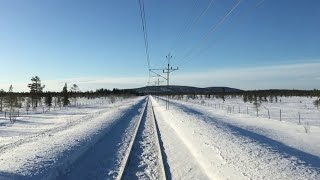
{"x":37,"y":96}
{"x":253,"y":96}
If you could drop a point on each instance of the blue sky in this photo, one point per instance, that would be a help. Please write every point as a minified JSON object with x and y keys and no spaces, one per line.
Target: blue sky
{"x":99,"y":43}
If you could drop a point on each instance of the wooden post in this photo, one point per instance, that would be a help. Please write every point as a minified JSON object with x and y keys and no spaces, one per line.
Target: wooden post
{"x":42,"y":109}
{"x":18,"y":114}
{"x":239,"y":109}
{"x":268,"y":114}
{"x":5,"y":114}
{"x":280,"y":114}
{"x":299,"y":118}
{"x":233,"y":109}
{"x":247,"y":110}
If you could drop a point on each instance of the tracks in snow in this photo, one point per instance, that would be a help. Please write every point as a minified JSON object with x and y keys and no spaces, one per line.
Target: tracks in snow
{"x":144,"y":156}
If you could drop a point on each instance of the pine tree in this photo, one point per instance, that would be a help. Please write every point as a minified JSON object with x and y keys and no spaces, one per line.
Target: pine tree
{"x":245,"y":98}
{"x":316,"y":103}
{"x":223,"y":94}
{"x":35,"y":90}
{"x":256,"y":104}
{"x":55,"y":103}
{"x":27,"y":103}
{"x":59,"y":101}
{"x":65,"y":96}
{"x":74,"y":90}
{"x":10,"y":99}
{"x":18,"y":102}
{"x":2,"y":98}
{"x":271,"y":99}
{"x":48,"y":100}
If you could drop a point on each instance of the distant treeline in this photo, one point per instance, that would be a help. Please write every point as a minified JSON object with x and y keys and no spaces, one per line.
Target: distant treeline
{"x":36,"y":97}
{"x":262,"y":93}
{"x":86,"y":94}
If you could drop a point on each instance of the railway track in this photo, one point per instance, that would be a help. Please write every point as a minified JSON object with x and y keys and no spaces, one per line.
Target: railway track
{"x":144,"y":159}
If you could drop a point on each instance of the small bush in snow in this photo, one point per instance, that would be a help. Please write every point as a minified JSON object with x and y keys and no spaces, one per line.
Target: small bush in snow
{"x":112,"y":99}
{"x":316,"y":103}
{"x":306,"y":128}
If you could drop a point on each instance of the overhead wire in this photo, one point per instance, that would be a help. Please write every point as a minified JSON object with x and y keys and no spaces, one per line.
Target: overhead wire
{"x":144,"y":29}
{"x":191,"y":25}
{"x":204,"y":38}
{"x":209,"y":45}
{"x":185,"y":27}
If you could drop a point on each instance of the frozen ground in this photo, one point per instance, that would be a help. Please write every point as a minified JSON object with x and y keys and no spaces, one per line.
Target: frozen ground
{"x":233,"y":147}
{"x":290,"y":108}
{"x":144,"y":162}
{"x":54,"y":142}
{"x":196,"y":141}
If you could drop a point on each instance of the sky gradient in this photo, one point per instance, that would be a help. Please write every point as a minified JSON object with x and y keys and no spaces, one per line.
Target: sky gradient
{"x":99,"y":44}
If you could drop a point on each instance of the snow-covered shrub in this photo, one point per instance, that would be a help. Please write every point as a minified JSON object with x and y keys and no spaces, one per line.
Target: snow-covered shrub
{"x":112,"y":99}
{"x":316,"y":103}
{"x":306,"y":128}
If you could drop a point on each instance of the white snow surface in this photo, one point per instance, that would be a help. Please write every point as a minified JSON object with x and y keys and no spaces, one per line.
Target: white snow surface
{"x":291,"y":108}
{"x":197,"y":141}
{"x":179,"y":161}
{"x":44,"y":146}
{"x":234,"y":147}
{"x":144,"y":162}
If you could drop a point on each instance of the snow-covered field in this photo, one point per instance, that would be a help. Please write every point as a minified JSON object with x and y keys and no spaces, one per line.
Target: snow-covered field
{"x":291,"y":108}
{"x":197,"y":141}
{"x":46,"y":145}
{"x":228,"y":146}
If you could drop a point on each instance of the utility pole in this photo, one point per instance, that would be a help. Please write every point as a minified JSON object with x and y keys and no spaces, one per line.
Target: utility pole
{"x":157,"y":83}
{"x":168,"y":71}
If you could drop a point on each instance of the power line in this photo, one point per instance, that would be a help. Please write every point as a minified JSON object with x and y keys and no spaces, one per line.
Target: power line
{"x":144,"y":29}
{"x":186,"y":26}
{"x":204,"y":38}
{"x":209,"y":45}
{"x":194,"y":23}
{"x":167,"y":71}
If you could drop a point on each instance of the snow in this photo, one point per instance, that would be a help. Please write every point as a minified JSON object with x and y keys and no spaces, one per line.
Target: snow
{"x":179,"y":161}
{"x":144,"y":162}
{"x":290,"y":108}
{"x":197,"y":141}
{"x":51,"y":149}
{"x":228,"y":147}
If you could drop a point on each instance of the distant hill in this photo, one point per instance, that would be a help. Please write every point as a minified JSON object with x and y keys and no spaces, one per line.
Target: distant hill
{"x":182,"y":90}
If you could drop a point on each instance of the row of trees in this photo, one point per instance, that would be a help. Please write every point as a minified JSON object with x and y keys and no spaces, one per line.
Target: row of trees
{"x":255,"y":97}
{"x":37,"y":96}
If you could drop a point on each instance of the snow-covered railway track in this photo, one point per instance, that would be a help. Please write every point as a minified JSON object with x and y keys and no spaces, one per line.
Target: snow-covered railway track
{"x":144,"y":155}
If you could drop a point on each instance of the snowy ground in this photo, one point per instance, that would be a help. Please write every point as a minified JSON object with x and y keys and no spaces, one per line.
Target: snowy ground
{"x":196,"y":141}
{"x":230,"y":147}
{"x":144,"y":161}
{"x":47,"y":147}
{"x":291,"y":108}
